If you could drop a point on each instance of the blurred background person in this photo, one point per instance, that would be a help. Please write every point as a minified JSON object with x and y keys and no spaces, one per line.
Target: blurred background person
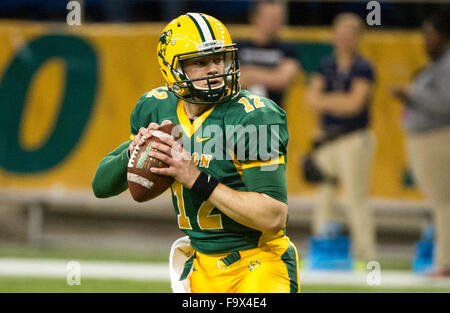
{"x":427,"y":124}
{"x":341,"y":93}
{"x":268,"y":66}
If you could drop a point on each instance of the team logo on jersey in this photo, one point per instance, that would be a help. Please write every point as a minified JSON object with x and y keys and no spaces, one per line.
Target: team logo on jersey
{"x":198,"y":139}
{"x":253,"y":265}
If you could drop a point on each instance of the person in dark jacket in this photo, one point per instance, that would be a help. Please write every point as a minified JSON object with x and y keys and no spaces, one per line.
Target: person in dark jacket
{"x":341,"y":93}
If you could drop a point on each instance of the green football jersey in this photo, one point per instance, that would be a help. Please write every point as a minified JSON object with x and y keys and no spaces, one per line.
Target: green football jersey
{"x":241,"y":143}
{"x":234,"y":142}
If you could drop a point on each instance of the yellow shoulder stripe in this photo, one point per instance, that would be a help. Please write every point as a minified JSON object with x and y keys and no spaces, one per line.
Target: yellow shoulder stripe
{"x":257,"y":163}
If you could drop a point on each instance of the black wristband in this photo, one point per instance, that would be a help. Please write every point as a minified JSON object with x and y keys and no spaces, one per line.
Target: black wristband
{"x":204,"y":186}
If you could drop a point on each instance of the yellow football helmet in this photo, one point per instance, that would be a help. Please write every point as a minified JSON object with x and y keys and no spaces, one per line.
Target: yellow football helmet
{"x":195,"y":35}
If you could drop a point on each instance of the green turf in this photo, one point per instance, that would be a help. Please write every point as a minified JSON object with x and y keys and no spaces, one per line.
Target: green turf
{"x":395,"y":264}
{"x":385,"y":264}
{"x":59,"y":285}
{"x":83,"y":254}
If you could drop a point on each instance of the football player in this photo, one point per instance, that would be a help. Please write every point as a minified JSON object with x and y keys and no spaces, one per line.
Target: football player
{"x":229,"y":196}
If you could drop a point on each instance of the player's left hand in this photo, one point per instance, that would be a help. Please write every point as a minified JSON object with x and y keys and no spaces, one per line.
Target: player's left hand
{"x":181,"y":167}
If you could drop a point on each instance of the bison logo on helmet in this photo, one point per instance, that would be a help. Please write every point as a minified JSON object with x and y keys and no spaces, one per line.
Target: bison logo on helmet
{"x":164,"y":40}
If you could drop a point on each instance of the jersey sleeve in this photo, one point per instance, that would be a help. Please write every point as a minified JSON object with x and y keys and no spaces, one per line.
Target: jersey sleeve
{"x":111,"y":176}
{"x":261,"y":134}
{"x":135,"y":116}
{"x":145,"y":110}
{"x":260,"y":148}
{"x":270,"y":182}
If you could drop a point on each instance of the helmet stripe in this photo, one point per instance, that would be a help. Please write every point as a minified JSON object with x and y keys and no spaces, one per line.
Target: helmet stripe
{"x":209,"y":26}
{"x":205,"y":32}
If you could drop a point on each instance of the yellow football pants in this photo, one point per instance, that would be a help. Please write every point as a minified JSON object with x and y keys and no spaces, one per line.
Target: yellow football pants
{"x":270,"y":268}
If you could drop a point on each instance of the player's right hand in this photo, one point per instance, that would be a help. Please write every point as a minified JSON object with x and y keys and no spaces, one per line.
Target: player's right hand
{"x":141,"y":136}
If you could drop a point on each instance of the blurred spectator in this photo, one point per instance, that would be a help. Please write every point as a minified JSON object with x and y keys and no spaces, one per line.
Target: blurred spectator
{"x":117,"y":10}
{"x":341,"y":93}
{"x":427,"y":123}
{"x":268,"y":67}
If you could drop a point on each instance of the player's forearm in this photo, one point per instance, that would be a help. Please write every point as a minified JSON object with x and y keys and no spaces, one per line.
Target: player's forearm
{"x":111,"y":176}
{"x":252,"y":209}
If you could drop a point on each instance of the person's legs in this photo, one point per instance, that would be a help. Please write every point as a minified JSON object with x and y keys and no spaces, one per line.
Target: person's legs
{"x":355,"y":155}
{"x":430,"y":161}
{"x":325,"y":158}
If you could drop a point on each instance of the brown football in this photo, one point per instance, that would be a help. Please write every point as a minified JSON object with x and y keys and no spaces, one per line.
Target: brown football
{"x":145,"y":185}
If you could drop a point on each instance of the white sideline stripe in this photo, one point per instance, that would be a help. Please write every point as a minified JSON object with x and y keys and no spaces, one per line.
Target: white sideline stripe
{"x":88,"y":269}
{"x":14,"y":267}
{"x":387,"y":279}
